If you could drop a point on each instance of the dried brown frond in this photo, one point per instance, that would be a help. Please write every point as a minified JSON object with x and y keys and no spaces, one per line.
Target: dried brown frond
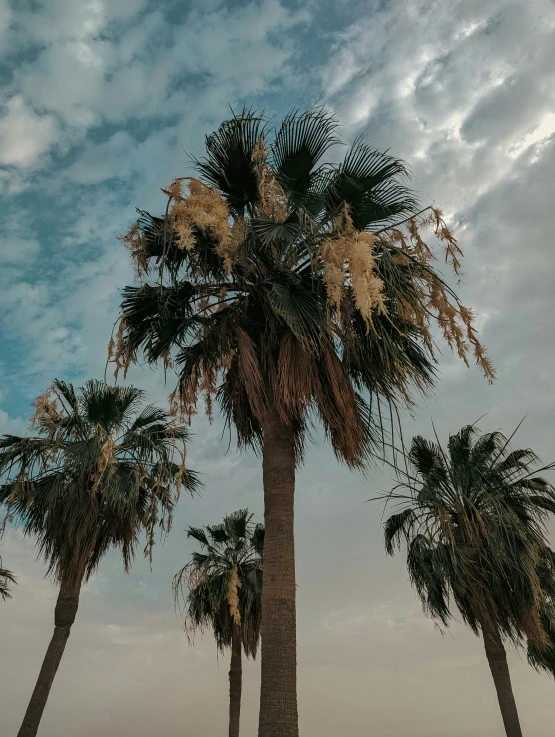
{"x":46,"y":409}
{"x":272,"y":200}
{"x":208,"y":388}
{"x":166,"y":359}
{"x":293,"y":382}
{"x":179,"y":475}
{"x":250,"y":374}
{"x":117,"y":351}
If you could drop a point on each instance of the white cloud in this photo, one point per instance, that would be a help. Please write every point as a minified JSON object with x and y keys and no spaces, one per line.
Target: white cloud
{"x":18,"y":249}
{"x":12,"y":425}
{"x":24,"y":134}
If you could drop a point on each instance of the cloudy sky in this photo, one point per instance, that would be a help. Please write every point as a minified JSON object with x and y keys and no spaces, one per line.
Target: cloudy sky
{"x":100,"y":104}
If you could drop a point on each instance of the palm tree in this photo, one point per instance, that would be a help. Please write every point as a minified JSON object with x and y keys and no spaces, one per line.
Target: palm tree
{"x":473,"y":523}
{"x":6,"y":579}
{"x":224,"y":585}
{"x":291,"y":291}
{"x":98,"y":471}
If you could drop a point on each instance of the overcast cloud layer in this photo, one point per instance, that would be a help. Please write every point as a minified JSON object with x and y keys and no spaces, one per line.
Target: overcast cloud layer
{"x":100,"y":102}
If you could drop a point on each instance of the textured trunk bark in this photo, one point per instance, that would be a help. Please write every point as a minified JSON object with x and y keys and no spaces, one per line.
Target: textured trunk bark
{"x":497,"y":660}
{"x":64,"y":616}
{"x":235,"y":683}
{"x":278,"y":688}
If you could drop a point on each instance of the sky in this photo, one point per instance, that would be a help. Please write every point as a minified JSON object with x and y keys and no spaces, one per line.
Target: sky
{"x":100,"y":105}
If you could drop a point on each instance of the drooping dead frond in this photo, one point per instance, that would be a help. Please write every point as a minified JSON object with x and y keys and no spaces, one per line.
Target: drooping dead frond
{"x":117,"y":351}
{"x":46,"y":409}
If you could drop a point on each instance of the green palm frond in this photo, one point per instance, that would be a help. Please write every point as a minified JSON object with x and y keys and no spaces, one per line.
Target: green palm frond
{"x":300,"y":142}
{"x":372,"y":184}
{"x":228,"y":161}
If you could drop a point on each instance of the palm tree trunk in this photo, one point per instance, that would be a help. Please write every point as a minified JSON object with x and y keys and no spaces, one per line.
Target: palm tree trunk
{"x":64,"y":616}
{"x":497,"y":659}
{"x":278,"y":715}
{"x":235,"y":683}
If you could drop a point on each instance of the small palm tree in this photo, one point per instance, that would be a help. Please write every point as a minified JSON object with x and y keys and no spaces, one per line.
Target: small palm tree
{"x":222,"y":589}
{"x":473,"y":524}
{"x":293,"y":291}
{"x":6,"y":580}
{"x":99,"y":470}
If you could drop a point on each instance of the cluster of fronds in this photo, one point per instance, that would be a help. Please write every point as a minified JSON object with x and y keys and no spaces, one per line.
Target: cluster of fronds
{"x":474,"y":526}
{"x":283,"y":281}
{"x":7,"y":579}
{"x":220,"y":588}
{"x":97,"y":471}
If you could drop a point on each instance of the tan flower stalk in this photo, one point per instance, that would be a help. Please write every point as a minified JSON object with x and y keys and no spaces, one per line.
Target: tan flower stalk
{"x":349,"y":261}
{"x":233,"y":595}
{"x":203,"y":208}
{"x":272,"y":199}
{"x":117,"y":352}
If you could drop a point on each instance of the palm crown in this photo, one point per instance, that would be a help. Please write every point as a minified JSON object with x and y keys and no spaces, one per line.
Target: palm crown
{"x":474,"y":527}
{"x":222,"y":585}
{"x":272,"y":291}
{"x":99,"y":469}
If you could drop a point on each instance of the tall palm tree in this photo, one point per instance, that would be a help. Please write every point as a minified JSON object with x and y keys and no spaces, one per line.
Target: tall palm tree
{"x":6,"y":580}
{"x":473,"y":523}
{"x":292,"y":291}
{"x":223,"y":586}
{"x":98,"y":470}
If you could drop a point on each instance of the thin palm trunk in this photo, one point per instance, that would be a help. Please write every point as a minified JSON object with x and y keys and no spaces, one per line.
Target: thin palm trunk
{"x":278,"y":689}
{"x":235,"y":683}
{"x":64,"y":616}
{"x":497,"y":659}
